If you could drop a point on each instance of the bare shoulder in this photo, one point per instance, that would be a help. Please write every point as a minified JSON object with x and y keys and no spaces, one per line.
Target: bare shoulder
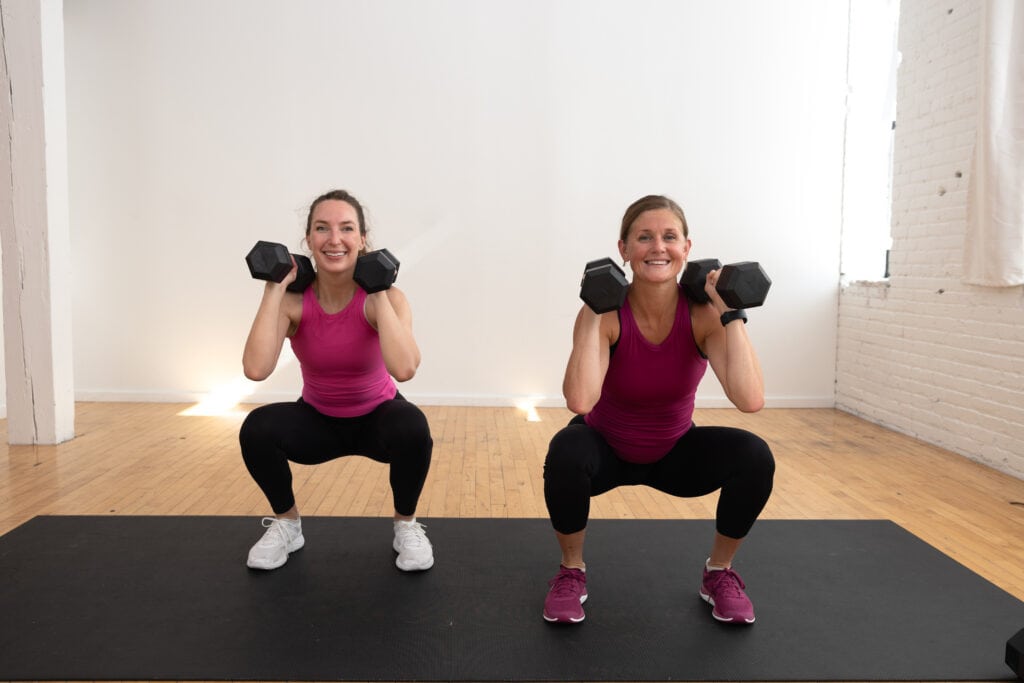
{"x":291,"y":307}
{"x":610,"y":327}
{"x":705,"y":321}
{"x":608,"y":324}
{"x":395,"y":297}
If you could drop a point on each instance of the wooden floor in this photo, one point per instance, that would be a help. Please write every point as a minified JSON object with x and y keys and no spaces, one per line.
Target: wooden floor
{"x":148,"y":459}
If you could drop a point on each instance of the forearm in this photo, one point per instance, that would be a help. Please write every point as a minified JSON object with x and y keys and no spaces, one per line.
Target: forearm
{"x":744,"y":382}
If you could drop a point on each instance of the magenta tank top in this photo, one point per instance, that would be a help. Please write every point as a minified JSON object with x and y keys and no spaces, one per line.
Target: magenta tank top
{"x":648,"y":393}
{"x":343,"y":371}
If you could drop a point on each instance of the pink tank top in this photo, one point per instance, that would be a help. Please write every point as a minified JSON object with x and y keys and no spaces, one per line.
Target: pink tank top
{"x":343,"y":371}
{"x":648,"y":393}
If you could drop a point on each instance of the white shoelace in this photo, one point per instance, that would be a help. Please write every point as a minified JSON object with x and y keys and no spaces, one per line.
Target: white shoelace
{"x":275,"y":527}
{"x":412,"y":534}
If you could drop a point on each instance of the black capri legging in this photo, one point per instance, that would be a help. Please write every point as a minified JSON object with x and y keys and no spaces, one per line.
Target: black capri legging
{"x":395,"y":432}
{"x":581,"y":464}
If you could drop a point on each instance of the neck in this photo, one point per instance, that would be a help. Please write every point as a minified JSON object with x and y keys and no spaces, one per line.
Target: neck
{"x":334,"y":290}
{"x":654,"y":298}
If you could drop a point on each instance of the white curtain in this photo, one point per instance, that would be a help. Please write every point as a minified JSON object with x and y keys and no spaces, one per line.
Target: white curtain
{"x":994,"y":247}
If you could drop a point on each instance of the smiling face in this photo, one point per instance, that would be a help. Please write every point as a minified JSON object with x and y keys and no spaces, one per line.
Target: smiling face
{"x":335,"y":235}
{"x":655,"y":246}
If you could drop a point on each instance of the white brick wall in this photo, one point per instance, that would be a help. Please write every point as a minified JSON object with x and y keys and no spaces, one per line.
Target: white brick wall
{"x":925,"y":354}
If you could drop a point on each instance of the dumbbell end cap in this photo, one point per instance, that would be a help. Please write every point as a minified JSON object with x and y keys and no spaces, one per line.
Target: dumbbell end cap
{"x":376,"y":271}
{"x":268,"y":261}
{"x":744,"y":284}
{"x":604,"y":286}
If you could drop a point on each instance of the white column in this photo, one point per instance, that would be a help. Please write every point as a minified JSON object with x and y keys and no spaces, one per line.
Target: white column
{"x":34,"y":233}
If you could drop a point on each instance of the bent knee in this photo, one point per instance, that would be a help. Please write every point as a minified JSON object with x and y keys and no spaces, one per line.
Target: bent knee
{"x":256,"y":427}
{"x":569,"y":450}
{"x":763,"y":457}
{"x":407,"y":429}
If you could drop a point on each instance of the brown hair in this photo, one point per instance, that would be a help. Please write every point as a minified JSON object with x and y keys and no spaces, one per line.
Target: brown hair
{"x":650,"y":203}
{"x":341,"y":196}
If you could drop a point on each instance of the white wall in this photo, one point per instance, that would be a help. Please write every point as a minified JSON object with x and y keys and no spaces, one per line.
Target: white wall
{"x":923,"y":353}
{"x":495,"y":145}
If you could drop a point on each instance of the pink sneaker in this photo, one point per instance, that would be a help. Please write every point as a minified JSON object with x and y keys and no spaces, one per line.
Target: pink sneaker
{"x":564,"y":603}
{"x":723,"y":590}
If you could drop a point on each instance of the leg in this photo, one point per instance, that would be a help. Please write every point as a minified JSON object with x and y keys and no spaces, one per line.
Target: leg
{"x":723,"y":550}
{"x":567,"y":485}
{"x":579,"y":464}
{"x":738,"y":463}
{"x":572,"y":549}
{"x":741,"y":465}
{"x":271,"y":436}
{"x":397,"y":433}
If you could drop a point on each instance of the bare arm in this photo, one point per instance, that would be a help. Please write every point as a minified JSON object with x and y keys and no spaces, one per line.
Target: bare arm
{"x":389,"y":312}
{"x":278,"y":314}
{"x":588,"y":362}
{"x":731,"y":354}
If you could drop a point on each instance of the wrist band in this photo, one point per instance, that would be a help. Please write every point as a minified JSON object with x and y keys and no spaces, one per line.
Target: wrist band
{"x":737,"y":314}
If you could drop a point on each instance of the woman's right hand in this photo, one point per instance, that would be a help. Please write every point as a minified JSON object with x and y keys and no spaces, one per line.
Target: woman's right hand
{"x":292,"y":275}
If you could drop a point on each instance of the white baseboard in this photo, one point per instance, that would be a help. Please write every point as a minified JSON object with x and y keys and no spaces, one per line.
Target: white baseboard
{"x":481,"y":400}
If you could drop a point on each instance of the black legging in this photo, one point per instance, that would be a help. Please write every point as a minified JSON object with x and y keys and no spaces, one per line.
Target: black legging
{"x":394,"y":432}
{"x":581,"y":464}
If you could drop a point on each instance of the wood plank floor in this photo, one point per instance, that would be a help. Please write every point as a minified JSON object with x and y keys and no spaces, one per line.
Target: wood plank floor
{"x":148,"y":459}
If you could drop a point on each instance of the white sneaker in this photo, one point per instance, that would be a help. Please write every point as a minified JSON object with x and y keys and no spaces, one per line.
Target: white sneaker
{"x":283,"y":536}
{"x":414,"y":550}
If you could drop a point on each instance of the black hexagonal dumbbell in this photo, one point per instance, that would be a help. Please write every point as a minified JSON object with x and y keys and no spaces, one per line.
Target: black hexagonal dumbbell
{"x":695,"y":275}
{"x":604,"y":286}
{"x":271,"y":261}
{"x":741,"y":285}
{"x":376,"y":270}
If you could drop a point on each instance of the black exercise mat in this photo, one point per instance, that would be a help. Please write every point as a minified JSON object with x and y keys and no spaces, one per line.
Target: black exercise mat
{"x":158,"y":598}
